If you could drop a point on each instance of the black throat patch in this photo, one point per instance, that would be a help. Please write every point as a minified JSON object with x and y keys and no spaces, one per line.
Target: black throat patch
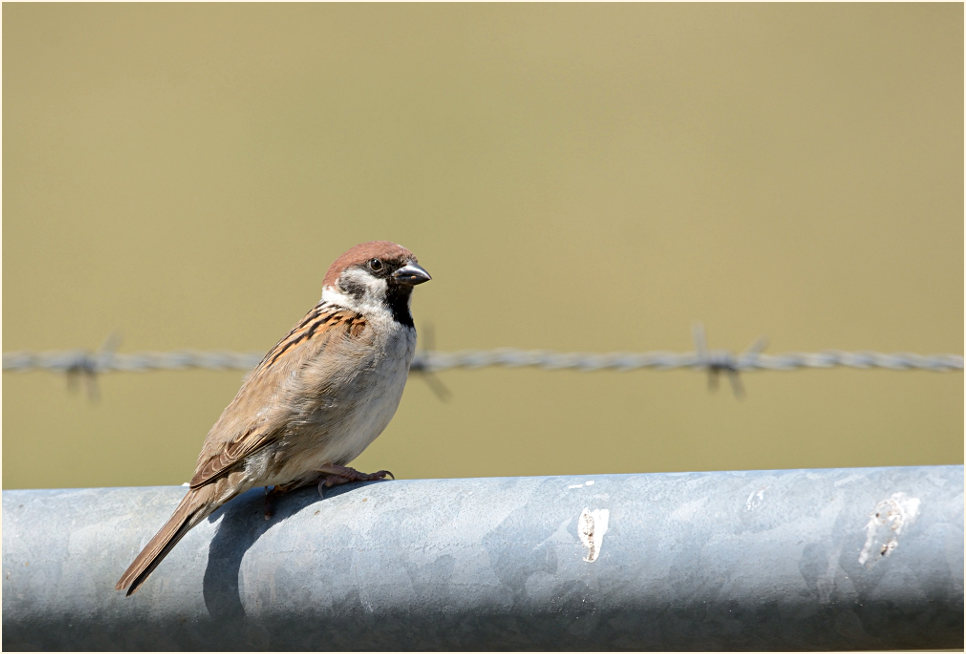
{"x":397,"y":297}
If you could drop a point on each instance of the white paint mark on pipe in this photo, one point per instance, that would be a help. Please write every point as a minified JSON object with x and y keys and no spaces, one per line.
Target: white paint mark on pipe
{"x":591,"y":527}
{"x":755,"y":500}
{"x":886,"y":523}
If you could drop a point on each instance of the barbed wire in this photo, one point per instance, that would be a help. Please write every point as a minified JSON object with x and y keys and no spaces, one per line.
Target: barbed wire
{"x":80,"y":361}
{"x":88,"y":365}
{"x":86,"y":362}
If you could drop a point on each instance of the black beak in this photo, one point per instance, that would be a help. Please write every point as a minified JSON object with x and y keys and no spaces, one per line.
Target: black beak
{"x":410,"y":275}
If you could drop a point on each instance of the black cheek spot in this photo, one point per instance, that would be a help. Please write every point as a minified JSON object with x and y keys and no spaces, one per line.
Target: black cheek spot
{"x":353,"y":287}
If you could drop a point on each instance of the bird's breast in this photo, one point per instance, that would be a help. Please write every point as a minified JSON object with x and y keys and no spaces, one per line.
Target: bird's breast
{"x":347,"y":401}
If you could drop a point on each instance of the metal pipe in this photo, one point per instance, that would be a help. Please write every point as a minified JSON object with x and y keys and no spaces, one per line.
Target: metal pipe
{"x":865,"y":558}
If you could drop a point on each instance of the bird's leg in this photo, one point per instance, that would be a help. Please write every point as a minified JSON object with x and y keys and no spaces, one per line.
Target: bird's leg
{"x":272,"y":494}
{"x":334,"y":475}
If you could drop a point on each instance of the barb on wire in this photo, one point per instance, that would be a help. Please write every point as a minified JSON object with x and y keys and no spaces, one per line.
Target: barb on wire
{"x":722,"y":361}
{"x":87,"y":364}
{"x":432,"y":380}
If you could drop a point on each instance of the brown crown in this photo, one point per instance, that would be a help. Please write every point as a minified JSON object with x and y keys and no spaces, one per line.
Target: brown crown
{"x":389,"y":252}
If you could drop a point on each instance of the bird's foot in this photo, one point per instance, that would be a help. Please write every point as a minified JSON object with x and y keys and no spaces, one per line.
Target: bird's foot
{"x":335,"y":475}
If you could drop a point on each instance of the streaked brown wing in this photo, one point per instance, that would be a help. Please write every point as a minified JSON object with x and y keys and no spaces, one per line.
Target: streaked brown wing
{"x":253,"y":419}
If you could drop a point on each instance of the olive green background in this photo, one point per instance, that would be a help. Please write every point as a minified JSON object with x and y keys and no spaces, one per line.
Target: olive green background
{"x":575,"y":177}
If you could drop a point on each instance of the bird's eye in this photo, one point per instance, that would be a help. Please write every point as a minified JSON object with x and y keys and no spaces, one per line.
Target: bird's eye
{"x":375,"y":265}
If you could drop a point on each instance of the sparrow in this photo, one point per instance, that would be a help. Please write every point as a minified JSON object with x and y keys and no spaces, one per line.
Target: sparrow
{"x":316,"y":400}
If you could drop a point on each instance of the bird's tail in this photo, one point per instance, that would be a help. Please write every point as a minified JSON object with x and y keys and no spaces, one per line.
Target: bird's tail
{"x":196,"y":505}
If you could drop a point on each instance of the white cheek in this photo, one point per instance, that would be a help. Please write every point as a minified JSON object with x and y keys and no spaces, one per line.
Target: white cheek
{"x":376,"y":290}
{"x":374,"y":294}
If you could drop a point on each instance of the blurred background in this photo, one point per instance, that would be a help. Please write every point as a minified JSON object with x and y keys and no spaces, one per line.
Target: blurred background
{"x":575,"y":177}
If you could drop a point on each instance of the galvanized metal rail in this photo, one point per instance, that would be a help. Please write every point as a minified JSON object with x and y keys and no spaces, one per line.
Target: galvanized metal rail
{"x":866,"y":558}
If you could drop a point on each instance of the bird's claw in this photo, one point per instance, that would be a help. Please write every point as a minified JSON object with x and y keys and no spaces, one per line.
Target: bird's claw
{"x":345,"y":475}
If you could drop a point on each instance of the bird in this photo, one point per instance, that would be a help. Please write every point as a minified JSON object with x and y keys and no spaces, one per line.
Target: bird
{"x":316,"y":400}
